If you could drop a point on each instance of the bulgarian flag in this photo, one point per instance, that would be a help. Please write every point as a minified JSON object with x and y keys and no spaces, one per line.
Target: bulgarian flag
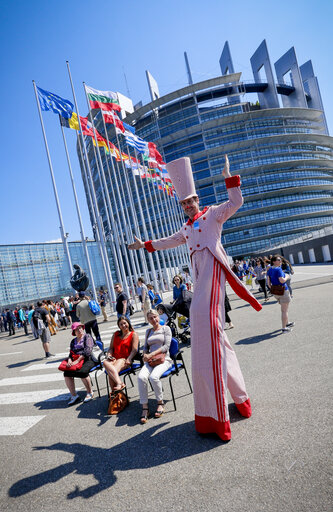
{"x":105,"y":100}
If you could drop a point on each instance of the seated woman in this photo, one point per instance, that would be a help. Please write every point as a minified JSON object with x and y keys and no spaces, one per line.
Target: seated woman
{"x":123,"y":347}
{"x":158,"y":339}
{"x":80,"y":346}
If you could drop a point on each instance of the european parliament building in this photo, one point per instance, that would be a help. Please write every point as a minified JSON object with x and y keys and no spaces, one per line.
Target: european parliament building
{"x":275,"y":134}
{"x":273,"y":129}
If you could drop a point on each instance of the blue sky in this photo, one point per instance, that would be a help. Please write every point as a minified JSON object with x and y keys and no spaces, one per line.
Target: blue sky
{"x":105,"y":40}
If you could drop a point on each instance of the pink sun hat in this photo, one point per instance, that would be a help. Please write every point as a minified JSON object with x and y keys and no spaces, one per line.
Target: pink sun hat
{"x":75,"y":325}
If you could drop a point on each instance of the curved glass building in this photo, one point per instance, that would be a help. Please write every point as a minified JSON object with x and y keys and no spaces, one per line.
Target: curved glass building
{"x":275,"y":134}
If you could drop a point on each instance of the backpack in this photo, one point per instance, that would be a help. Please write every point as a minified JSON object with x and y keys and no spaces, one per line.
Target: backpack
{"x":94,"y":307}
{"x":38,"y":322}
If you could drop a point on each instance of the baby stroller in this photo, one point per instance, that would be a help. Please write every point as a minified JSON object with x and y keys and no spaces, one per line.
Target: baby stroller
{"x":168,"y":314}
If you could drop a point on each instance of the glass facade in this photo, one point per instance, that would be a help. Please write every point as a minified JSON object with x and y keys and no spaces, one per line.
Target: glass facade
{"x":284,"y":157}
{"x":29,"y":272}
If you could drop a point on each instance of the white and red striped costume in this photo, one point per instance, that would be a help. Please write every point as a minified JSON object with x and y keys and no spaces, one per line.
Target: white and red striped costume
{"x":215,"y":366}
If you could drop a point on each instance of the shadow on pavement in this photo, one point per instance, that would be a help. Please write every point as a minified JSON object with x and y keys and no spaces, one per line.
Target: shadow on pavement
{"x":150,"y":448}
{"x":259,"y":338}
{"x":24,"y":363}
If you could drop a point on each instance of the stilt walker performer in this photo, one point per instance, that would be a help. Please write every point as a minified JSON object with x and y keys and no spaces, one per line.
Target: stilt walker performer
{"x":215,"y":367}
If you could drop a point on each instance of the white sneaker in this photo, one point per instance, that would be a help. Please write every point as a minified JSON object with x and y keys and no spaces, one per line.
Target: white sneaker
{"x":291,"y":324}
{"x":89,"y":397}
{"x":74,"y":399}
{"x":286,"y":330}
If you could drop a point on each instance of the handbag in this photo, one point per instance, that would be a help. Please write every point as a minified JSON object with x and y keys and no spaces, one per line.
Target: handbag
{"x":159,"y":358}
{"x":156,"y":360}
{"x":131,"y":309}
{"x":118,"y":403}
{"x":63,"y":365}
{"x":97,"y":354}
{"x":277,"y":289}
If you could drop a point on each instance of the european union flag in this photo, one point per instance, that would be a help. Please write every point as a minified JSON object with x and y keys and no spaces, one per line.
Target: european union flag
{"x":50,"y":101}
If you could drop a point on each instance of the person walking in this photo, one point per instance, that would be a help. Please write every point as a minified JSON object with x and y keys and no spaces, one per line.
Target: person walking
{"x":122,"y":301}
{"x":86,"y":316}
{"x":278,"y":279}
{"x":41,"y":320}
{"x":143,"y":297}
{"x":33,"y":328}
{"x":215,"y":367}
{"x":102,"y":303}
{"x":23,"y":318}
{"x":10,"y":317}
{"x":288,"y":269}
{"x":261,"y":274}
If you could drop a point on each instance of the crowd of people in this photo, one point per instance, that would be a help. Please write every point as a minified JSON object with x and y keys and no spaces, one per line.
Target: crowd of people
{"x":269,"y":271}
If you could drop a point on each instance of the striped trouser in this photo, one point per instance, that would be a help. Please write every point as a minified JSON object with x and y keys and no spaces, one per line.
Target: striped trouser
{"x":215,"y":367}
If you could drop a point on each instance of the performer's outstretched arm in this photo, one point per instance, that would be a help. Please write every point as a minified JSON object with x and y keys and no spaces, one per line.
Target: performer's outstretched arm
{"x":157,"y":245}
{"x":225,"y":210}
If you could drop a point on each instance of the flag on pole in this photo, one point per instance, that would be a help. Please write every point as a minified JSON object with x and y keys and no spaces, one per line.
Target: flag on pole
{"x":105,"y":100}
{"x":154,"y":154}
{"x":136,"y":142}
{"x":53,"y":102}
{"x":112,"y":118}
{"x":73,"y":123}
{"x":129,"y":128}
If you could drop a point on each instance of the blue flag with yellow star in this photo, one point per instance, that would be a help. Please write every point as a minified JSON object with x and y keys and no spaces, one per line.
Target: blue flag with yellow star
{"x":50,"y":101}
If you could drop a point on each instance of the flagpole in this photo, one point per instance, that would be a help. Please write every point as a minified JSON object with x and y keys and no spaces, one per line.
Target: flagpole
{"x":64,"y":235}
{"x":83,"y":238}
{"x":108,"y":211}
{"x":89,"y":187}
{"x":156,"y":223}
{"x":135,"y":217}
{"x":106,"y":265}
{"x":143,"y":261}
{"x":151,"y":231}
{"x":125,"y":284}
{"x":144,"y":228}
{"x":157,"y":259}
{"x":154,"y":214}
{"x":123,"y":211}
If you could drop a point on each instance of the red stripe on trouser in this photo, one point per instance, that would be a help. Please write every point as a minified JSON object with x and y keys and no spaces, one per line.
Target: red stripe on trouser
{"x":214,"y":362}
{"x":216,"y":349}
{"x":219,"y":342}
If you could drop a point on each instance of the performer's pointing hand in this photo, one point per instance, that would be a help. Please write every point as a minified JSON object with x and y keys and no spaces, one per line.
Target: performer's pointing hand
{"x":226,"y":171}
{"x":138,"y":244}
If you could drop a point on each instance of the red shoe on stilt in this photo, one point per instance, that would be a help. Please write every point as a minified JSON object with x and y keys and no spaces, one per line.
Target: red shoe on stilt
{"x":207,"y":425}
{"x":245,"y":408}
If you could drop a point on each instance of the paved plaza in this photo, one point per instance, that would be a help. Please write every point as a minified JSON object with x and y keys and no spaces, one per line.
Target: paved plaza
{"x":57,"y":458}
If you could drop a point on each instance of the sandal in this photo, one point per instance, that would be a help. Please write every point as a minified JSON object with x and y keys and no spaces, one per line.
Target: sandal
{"x":122,"y":387}
{"x":159,"y":413}
{"x":144,"y":415}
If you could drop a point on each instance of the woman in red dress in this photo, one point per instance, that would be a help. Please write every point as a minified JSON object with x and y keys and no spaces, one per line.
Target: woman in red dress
{"x":123,"y":347}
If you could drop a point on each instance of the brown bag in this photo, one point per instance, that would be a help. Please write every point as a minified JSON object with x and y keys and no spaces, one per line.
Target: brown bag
{"x":156,"y":360}
{"x":277,"y":289}
{"x":159,"y":358}
{"x":118,"y":403}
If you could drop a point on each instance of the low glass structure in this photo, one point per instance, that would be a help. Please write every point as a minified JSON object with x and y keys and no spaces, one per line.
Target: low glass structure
{"x":29,"y":272}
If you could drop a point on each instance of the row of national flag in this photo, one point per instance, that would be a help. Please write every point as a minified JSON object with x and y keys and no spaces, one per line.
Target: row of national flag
{"x":108,"y":104}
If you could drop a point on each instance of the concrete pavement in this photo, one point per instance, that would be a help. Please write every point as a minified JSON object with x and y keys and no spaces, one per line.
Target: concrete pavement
{"x":278,"y":460}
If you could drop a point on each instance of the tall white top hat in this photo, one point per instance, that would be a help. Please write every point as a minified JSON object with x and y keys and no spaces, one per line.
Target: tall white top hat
{"x":180,"y":172}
